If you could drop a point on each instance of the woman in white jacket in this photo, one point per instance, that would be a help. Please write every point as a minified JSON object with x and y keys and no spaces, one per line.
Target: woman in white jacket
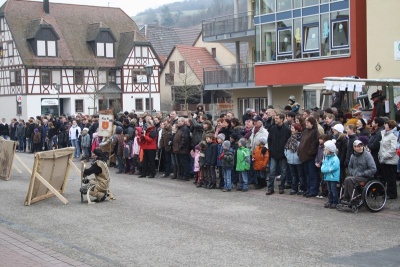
{"x":74,"y":133}
{"x":388,"y":158}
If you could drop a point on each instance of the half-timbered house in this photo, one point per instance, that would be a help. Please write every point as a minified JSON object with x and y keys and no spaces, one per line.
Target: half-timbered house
{"x":74,"y":58}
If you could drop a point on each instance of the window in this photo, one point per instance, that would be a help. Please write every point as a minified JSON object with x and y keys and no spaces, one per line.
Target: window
{"x":56,"y":76}
{"x":45,"y":77}
{"x":147,"y":104}
{"x":340,"y":34}
{"x":283,"y":5}
{"x":267,"y":6}
{"x":284,"y":41}
{"x":137,"y":72}
{"x":46,"y":48}
{"x":181,"y":66}
{"x":138,"y":51}
{"x":10,"y":49}
{"x":172,"y":67}
{"x":139,"y":104}
{"x":214,"y":52}
{"x":169,"y":79}
{"x":78,"y":105}
{"x":112,"y":76}
{"x":1,"y":51}
{"x":78,"y":77}
{"x":105,"y":50}
{"x":15,"y":77}
{"x":311,"y":38}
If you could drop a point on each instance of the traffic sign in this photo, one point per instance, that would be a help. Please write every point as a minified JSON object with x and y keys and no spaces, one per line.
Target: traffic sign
{"x":19,"y":98}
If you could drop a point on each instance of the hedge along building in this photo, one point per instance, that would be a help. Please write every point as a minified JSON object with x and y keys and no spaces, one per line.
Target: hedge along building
{"x":73,"y":57}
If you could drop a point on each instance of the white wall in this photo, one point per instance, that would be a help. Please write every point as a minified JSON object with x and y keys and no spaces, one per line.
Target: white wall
{"x":129,"y":101}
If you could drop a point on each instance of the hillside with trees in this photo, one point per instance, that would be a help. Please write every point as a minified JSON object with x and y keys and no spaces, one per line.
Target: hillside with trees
{"x":187,"y":13}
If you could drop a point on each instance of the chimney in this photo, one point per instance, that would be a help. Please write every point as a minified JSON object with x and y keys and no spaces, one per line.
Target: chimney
{"x":46,"y":6}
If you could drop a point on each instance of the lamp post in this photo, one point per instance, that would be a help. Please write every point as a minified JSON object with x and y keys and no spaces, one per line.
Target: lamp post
{"x":149,"y":72}
{"x":57,"y":86}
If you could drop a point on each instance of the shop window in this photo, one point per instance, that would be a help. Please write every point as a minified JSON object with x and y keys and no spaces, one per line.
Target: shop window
{"x":169,"y":79}
{"x":172,"y":67}
{"x":78,"y":76}
{"x":78,"y":105}
{"x":340,"y":34}
{"x":181,"y":66}
{"x":139,"y":104}
{"x":45,"y":77}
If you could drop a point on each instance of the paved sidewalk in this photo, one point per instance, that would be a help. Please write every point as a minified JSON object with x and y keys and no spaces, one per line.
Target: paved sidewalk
{"x":18,"y":251}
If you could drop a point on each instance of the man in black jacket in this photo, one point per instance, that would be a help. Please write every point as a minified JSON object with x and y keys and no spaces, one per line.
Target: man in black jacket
{"x":277,"y":138}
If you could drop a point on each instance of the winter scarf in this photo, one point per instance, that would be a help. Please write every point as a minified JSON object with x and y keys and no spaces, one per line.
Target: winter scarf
{"x":293,"y":142}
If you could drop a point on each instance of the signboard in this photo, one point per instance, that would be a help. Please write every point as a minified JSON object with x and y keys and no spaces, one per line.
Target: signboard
{"x":105,"y":125}
{"x":397,"y":50}
{"x":141,"y":78}
{"x":49,"y":102}
{"x":19,"y":98}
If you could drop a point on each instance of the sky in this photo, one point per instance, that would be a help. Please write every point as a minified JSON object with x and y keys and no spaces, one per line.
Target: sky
{"x":131,"y":7}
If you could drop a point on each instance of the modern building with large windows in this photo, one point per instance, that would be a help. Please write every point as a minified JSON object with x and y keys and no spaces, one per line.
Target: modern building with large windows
{"x":298,"y":42}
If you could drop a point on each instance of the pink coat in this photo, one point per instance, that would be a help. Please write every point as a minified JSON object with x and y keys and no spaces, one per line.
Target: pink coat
{"x":196,"y":156}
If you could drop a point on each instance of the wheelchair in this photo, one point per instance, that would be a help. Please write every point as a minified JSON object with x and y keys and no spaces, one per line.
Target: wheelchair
{"x":371,"y":194}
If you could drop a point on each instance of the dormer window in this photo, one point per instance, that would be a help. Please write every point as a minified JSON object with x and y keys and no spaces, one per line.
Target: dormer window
{"x":101,"y":40}
{"x":43,"y":39}
{"x":105,"y":50}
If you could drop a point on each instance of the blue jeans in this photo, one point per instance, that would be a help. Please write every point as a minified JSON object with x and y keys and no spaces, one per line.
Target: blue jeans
{"x":21,"y":140}
{"x":28,"y":144}
{"x":74,"y":143}
{"x":243,"y":180}
{"x":227,"y":179}
{"x":120,"y":163}
{"x":297,"y":172}
{"x":311,"y":177}
{"x":333,"y":192}
{"x":282,"y":166}
{"x":167,"y":163}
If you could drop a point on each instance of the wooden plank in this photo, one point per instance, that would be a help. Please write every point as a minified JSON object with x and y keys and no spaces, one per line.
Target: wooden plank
{"x":23,"y":164}
{"x":52,"y":189}
{"x":32,"y":182}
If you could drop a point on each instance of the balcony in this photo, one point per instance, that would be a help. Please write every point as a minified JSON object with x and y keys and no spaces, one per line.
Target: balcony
{"x":230,"y":28}
{"x":229,"y":77}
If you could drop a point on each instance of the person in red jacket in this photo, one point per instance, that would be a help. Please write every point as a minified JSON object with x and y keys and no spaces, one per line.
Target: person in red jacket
{"x":148,"y":143}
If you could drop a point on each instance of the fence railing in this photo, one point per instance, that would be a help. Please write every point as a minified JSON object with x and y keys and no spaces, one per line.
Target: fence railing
{"x":237,"y":73}
{"x":228,"y":24}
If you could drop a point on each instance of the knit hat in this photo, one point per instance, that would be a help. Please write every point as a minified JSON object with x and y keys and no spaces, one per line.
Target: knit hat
{"x":338,"y":127}
{"x":98,"y":152}
{"x":242,"y":141}
{"x":263,"y":140}
{"x":226,"y":144}
{"x":330,"y":145}
{"x":119,"y":130}
{"x":197,"y":147}
{"x":36,"y":130}
{"x":202,"y":144}
{"x":86,"y":129}
{"x":364,"y":139}
{"x":235,"y":137}
{"x":221,"y":136}
{"x":95,"y":135}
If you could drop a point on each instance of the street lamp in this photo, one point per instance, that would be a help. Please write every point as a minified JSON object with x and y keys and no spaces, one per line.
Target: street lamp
{"x":57,"y":87}
{"x":149,"y":72}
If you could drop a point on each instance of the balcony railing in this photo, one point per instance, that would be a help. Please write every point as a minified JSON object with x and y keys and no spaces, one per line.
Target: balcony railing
{"x":228,"y":24}
{"x":237,"y":75}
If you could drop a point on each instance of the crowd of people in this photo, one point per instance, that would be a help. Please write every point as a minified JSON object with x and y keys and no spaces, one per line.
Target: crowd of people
{"x":312,"y":152}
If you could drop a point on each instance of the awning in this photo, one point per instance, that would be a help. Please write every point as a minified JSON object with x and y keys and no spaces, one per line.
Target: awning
{"x":110,"y":89}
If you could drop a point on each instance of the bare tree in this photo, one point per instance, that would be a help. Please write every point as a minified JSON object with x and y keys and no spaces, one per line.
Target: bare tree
{"x":187,"y":87}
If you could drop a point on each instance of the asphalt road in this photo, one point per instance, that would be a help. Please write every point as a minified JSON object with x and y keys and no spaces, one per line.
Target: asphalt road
{"x":164,"y":222}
